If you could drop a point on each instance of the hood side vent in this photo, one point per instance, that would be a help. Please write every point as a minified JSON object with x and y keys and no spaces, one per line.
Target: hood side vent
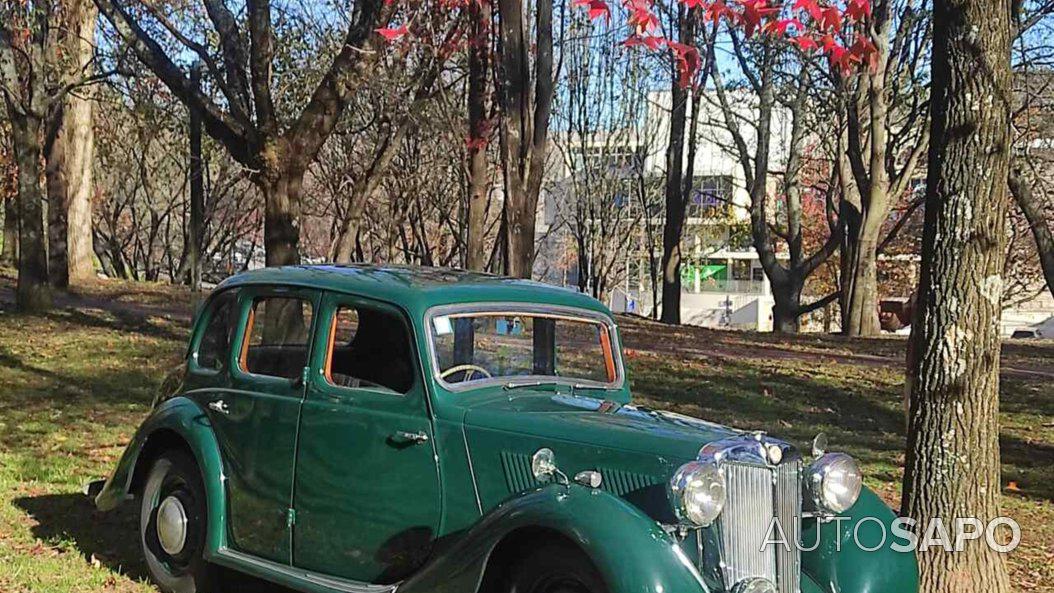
{"x":517,"y":468}
{"x":621,"y":483}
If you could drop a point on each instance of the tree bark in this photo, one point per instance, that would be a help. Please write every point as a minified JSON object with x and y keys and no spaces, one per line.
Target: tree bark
{"x":673,"y":226}
{"x":32,"y":293}
{"x":525,"y":126}
{"x":57,"y":192}
{"x":281,"y":217}
{"x":952,"y":466}
{"x":80,"y":153}
{"x":479,"y":134}
{"x":196,"y":230}
{"x":1033,"y":209}
{"x":9,"y":255}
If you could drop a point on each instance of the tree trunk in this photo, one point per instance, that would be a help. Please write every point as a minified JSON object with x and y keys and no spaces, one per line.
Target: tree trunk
{"x":479,"y":134}
{"x":196,"y":230}
{"x":32,"y":293}
{"x":1033,"y":209}
{"x":786,"y":310}
{"x":281,"y":193}
{"x":673,"y":227}
{"x":9,"y":255}
{"x":58,"y":191}
{"x":952,"y":463}
{"x":80,"y":155}
{"x":861,"y":297}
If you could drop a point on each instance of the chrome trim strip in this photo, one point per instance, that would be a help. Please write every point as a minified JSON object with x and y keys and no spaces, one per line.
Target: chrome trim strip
{"x":557,"y":311}
{"x":471,"y":469}
{"x":234,"y":557}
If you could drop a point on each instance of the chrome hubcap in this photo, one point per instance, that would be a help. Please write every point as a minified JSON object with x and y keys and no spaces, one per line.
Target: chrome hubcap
{"x":172,"y":525}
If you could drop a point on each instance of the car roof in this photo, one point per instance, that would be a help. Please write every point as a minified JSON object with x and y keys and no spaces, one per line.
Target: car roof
{"x":417,"y":288}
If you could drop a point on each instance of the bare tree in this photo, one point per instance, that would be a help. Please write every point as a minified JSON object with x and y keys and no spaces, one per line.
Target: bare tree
{"x":248,"y":122}
{"x":525,"y":94}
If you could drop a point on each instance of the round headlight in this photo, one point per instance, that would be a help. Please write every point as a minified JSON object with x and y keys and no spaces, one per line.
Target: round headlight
{"x":697,"y":492}
{"x":833,"y":482}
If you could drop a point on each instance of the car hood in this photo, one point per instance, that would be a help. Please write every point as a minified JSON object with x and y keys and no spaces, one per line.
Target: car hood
{"x":596,"y":422}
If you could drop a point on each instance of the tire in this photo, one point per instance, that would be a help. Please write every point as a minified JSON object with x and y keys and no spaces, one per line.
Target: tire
{"x":176,"y":566}
{"x":553,"y":568}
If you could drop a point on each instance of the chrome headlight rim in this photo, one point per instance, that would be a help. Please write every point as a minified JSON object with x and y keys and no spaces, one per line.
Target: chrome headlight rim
{"x":833,"y":483}
{"x":697,"y":492}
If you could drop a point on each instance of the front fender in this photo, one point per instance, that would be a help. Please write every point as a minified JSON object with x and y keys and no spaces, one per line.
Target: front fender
{"x":185,"y":419}
{"x":630,"y":550}
{"x":839,"y":564}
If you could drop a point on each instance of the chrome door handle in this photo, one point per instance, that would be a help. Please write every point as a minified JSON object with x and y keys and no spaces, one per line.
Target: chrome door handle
{"x":405,"y":437}
{"x":219,"y":406}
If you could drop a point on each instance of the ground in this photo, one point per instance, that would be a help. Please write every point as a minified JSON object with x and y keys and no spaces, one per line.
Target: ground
{"x":76,"y":383}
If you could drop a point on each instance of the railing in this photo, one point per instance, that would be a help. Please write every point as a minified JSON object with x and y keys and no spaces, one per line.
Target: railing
{"x":727,"y":286}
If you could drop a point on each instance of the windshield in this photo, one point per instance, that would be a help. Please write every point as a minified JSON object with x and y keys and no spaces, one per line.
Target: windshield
{"x":516,"y":347}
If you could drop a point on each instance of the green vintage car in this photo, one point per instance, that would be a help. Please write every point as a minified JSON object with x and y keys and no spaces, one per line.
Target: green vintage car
{"x":377,"y":429}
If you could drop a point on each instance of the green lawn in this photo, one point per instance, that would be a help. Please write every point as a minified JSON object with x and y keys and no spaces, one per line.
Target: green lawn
{"x":77,"y":383}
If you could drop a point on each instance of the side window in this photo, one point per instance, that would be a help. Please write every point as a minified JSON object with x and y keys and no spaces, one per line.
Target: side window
{"x":369,"y":348}
{"x":215,"y":345}
{"x":277,"y":336}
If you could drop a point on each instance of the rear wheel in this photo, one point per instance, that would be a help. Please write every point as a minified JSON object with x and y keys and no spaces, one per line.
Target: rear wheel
{"x":172,"y":526}
{"x":552,"y":568}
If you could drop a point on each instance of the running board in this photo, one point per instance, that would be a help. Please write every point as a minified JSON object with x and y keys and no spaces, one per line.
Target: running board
{"x":293,"y":577}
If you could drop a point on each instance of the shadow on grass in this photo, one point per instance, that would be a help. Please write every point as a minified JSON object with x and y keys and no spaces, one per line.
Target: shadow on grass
{"x":111,"y":539}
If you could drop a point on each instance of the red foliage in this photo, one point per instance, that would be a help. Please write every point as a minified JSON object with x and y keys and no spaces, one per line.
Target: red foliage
{"x":393,"y":33}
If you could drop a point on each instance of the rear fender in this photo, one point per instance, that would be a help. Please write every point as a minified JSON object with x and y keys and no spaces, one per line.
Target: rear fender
{"x":177,"y":421}
{"x":630,"y":549}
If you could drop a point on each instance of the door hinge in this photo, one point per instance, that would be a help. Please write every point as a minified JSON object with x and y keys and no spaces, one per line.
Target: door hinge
{"x":290,"y":518}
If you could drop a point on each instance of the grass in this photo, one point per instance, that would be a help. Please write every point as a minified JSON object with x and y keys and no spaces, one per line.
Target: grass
{"x":76,"y":384}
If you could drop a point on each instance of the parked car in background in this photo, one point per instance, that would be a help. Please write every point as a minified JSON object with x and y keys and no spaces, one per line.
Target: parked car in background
{"x":378,"y":429}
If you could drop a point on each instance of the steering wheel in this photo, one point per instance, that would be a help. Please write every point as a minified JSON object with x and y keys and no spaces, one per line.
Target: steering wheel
{"x":470,"y":371}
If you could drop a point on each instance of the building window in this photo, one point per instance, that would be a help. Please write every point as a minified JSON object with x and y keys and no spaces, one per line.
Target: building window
{"x":712,"y":196}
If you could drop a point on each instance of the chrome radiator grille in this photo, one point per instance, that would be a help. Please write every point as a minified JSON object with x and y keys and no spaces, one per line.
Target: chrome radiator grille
{"x":756,"y":494}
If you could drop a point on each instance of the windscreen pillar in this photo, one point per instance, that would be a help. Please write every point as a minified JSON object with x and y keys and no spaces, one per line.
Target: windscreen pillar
{"x":544,"y":346}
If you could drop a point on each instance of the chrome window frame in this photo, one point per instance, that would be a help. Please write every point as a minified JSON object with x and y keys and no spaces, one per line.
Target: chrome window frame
{"x":517,"y":308}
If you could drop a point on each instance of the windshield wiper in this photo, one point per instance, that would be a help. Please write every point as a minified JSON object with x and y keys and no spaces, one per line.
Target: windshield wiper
{"x":518,"y":385}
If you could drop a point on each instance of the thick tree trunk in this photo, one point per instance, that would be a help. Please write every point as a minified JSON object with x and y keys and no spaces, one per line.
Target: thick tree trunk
{"x":479,"y":134}
{"x":786,"y":310}
{"x":952,"y":464}
{"x":861,"y":283}
{"x":281,"y":193}
{"x":9,"y":254}
{"x":80,"y":155}
{"x":58,"y":191}
{"x":32,"y":293}
{"x":1034,"y":212}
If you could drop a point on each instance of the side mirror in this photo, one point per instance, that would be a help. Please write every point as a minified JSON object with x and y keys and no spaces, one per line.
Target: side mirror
{"x":819,"y":445}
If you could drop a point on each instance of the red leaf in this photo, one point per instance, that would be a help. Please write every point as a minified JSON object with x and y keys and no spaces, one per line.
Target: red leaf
{"x":688,"y":61}
{"x":864,"y":51}
{"x":652,"y":42}
{"x":810,"y":7}
{"x":393,"y":33}
{"x":641,"y":18}
{"x":753,"y":12}
{"x":715,"y":11}
{"x":779,"y":27}
{"x":831,"y":18}
{"x":858,"y":10}
{"x":805,"y":42}
{"x":597,"y":8}
{"x":693,"y":3}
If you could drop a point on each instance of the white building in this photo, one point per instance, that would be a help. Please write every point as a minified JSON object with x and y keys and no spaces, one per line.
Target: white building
{"x":722,"y":280}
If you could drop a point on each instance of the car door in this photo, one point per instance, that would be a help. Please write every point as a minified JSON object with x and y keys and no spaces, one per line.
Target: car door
{"x":256,"y":416}
{"x":367,"y":484}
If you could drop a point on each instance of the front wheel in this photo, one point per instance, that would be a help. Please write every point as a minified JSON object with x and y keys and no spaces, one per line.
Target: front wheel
{"x":172,"y":526}
{"x":553,"y":568}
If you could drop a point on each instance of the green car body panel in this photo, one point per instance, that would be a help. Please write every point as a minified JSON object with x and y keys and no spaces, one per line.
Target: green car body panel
{"x":306,"y":487}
